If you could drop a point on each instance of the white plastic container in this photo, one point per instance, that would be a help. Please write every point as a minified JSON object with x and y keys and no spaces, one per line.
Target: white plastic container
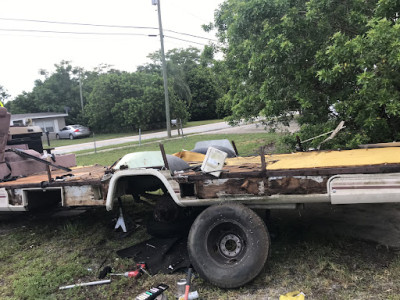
{"x":214,"y":161}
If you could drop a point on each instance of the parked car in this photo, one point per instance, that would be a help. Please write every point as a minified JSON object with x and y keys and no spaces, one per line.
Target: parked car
{"x":73,"y":131}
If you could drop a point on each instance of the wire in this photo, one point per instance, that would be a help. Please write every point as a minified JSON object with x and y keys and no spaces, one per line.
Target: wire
{"x":97,"y":33}
{"x":175,"y":38}
{"x":80,"y":24}
{"x":72,"y":32}
{"x":104,"y":25}
{"x":188,"y":34}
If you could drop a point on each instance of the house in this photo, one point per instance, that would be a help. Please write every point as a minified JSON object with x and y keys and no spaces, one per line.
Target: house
{"x":48,"y":121}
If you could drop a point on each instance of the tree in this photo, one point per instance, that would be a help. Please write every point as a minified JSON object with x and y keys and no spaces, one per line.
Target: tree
{"x":3,"y":94}
{"x":296,"y":56}
{"x":57,"y":92}
{"x":191,"y":77}
{"x":125,"y":101}
{"x":367,"y":67}
{"x":205,"y":93}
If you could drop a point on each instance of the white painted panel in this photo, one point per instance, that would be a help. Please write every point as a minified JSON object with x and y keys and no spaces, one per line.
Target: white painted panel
{"x":364,"y":188}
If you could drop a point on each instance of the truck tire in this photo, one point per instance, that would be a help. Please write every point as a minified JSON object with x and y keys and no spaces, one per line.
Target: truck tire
{"x":228,"y":245}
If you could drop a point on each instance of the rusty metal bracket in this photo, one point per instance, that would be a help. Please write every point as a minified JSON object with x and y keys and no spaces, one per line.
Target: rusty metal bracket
{"x":263,"y":163}
{"x":22,"y":153}
{"x":164,"y":156}
{"x":234,"y":148}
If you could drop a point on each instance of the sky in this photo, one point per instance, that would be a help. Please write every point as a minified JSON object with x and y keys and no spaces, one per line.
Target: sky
{"x":24,"y":50}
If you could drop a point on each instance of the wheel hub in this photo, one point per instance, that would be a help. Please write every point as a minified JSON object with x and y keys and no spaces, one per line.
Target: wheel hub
{"x":230,"y":245}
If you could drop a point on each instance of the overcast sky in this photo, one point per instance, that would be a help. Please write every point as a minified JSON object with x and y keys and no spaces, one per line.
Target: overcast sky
{"x":24,"y":53}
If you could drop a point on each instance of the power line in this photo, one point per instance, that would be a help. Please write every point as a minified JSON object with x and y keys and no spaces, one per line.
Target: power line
{"x":175,"y":38}
{"x":97,"y":33}
{"x":80,"y":24}
{"x":104,"y":25}
{"x":73,"y":32}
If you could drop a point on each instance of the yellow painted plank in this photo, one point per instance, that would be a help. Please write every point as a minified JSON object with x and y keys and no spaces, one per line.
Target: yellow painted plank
{"x":324,"y":159}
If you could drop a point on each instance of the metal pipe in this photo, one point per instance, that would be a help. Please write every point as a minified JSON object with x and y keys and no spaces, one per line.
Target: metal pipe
{"x":99,"y":282}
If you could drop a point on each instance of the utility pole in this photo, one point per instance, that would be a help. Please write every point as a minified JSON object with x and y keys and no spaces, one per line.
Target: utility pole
{"x":80,"y":89}
{"x":164,"y":68}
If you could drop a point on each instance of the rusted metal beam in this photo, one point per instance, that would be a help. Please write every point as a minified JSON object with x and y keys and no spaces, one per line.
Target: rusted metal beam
{"x":263,"y":163}
{"x":48,"y":173}
{"x":234,"y":148}
{"x":164,"y":156}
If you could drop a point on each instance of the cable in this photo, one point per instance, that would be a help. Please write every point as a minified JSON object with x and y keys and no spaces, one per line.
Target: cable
{"x":97,"y":33}
{"x":188,"y":34}
{"x":72,"y":32}
{"x":80,"y":24}
{"x":104,"y":25}
{"x":175,"y":38}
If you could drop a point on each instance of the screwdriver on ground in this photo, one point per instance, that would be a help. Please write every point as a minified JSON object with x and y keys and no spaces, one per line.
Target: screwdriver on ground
{"x":135,"y":274}
{"x":129,"y":274}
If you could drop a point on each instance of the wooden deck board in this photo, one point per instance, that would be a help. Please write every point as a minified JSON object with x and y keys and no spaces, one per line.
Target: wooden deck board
{"x":81,"y":175}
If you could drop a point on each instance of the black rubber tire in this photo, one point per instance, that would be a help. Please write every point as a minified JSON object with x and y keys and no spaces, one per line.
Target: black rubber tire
{"x":228,"y":245}
{"x":57,"y":137}
{"x":71,"y":137}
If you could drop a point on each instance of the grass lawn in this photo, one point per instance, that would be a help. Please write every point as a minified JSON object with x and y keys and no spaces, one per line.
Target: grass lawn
{"x":247,"y":144}
{"x":41,"y":253}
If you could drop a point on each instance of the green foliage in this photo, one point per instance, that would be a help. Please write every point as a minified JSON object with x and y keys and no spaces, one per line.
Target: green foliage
{"x":328,"y":60}
{"x":370,"y":65}
{"x":129,"y":101}
{"x":57,"y":92}
{"x":192,"y":78}
{"x":116,"y":101}
{"x":3,"y":94}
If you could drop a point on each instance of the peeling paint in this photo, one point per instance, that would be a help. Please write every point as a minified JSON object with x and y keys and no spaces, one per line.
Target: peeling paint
{"x":261,"y":188}
{"x":82,"y":196}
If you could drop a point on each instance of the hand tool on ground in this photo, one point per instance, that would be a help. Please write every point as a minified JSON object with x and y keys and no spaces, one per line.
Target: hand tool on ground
{"x":85,"y":284}
{"x":188,"y":280}
{"x":140,"y":269}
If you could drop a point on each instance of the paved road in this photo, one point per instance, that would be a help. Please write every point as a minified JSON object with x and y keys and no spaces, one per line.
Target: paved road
{"x":135,"y":138}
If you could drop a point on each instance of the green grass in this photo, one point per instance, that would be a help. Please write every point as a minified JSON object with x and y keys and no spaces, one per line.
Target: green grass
{"x":247,"y":144}
{"x":40,"y":253}
{"x":204,"y":122}
{"x":107,"y":136}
